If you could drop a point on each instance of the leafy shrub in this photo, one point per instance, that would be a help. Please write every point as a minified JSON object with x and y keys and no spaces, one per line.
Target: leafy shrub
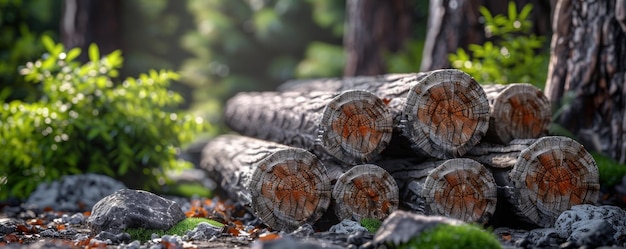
{"x":451,"y":236}
{"x":87,"y":121}
{"x":179,"y":229}
{"x":511,"y":57}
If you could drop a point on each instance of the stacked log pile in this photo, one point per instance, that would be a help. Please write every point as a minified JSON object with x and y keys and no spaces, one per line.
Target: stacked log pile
{"x":324,"y":145}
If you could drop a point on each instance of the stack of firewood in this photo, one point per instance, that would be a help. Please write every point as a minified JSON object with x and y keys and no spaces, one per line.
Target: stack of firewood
{"x":435,"y":142}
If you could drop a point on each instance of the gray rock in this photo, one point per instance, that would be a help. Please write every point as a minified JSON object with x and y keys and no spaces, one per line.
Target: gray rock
{"x":401,"y":226}
{"x":9,"y":225}
{"x":203,"y":231}
{"x":543,"y":237}
{"x":128,"y":208}
{"x":73,"y":192}
{"x":290,"y":243}
{"x":580,"y":217}
{"x":593,"y":233}
{"x":347,"y":227}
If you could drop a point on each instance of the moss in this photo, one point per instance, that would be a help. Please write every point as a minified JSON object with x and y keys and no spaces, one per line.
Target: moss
{"x":180,"y":229}
{"x":611,"y":172}
{"x":370,"y":224}
{"x":451,"y":236}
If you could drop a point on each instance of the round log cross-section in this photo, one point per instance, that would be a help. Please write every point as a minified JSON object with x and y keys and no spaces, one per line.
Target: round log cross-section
{"x":517,"y":111}
{"x":461,"y":188}
{"x":365,"y":191}
{"x":446,"y":114}
{"x":285,"y":187}
{"x":552,"y":175}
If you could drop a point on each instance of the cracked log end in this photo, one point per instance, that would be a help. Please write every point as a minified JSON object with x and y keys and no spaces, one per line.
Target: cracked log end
{"x":461,"y":188}
{"x":446,"y":114}
{"x":365,"y":191}
{"x":290,"y":188}
{"x":520,"y":111}
{"x":356,"y":127}
{"x":552,"y":175}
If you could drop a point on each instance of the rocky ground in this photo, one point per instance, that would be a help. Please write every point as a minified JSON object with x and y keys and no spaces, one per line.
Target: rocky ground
{"x":59,"y":215}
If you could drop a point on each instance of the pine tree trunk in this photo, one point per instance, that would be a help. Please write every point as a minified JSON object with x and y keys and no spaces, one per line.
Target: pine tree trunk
{"x":460,"y":188}
{"x":442,"y":113}
{"x":541,"y":178}
{"x":285,"y":187}
{"x":352,"y":126}
{"x":516,"y":111}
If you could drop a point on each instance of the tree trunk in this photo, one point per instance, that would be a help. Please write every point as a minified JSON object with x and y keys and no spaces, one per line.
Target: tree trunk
{"x":460,"y":188}
{"x":442,"y":113}
{"x":588,"y":64}
{"x":285,"y":187}
{"x":353,"y":126}
{"x":516,"y":111}
{"x":454,"y":24}
{"x":374,"y":27}
{"x":541,"y":178}
{"x":364,"y":191}
{"x":92,"y":21}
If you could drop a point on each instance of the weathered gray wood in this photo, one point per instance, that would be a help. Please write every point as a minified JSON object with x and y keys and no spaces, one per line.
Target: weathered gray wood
{"x":285,"y":187}
{"x":516,"y":111}
{"x":352,"y":126}
{"x":460,"y":188}
{"x":365,"y":191}
{"x":542,"y":177}
{"x":443,"y":113}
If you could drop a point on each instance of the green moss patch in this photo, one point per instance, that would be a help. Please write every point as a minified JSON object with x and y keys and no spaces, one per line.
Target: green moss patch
{"x":371,"y":224}
{"x":179,"y":229}
{"x":451,"y":236}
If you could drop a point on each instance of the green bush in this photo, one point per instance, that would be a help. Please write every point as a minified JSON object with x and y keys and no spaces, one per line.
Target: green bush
{"x":451,"y":237}
{"x":511,"y":57}
{"x":87,"y":120}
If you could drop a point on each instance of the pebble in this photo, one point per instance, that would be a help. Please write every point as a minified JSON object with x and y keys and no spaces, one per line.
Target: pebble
{"x":347,"y":227}
{"x":50,"y":233}
{"x":203,"y":231}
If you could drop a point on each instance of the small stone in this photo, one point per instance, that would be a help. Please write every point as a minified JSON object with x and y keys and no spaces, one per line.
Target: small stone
{"x":347,"y":227}
{"x":113,"y":238}
{"x":76,"y":219}
{"x":49,"y":233}
{"x":401,"y":226}
{"x":544,"y":237}
{"x":303,"y":231}
{"x":8,"y":225}
{"x":203,"y":231}
{"x":132,"y":245}
{"x":128,"y":208}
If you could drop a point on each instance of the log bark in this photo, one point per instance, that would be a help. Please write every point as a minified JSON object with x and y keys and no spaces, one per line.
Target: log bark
{"x":352,"y":126}
{"x":364,"y":191}
{"x":285,"y":187}
{"x":443,"y":113}
{"x":543,"y":177}
{"x":516,"y":111}
{"x":460,"y":188}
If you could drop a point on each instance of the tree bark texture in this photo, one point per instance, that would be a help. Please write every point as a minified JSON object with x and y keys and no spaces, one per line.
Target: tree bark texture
{"x":365,"y":191}
{"x":588,"y":64}
{"x":442,"y":113}
{"x":454,"y":24}
{"x":460,"y":188}
{"x":516,"y":111}
{"x":374,"y":27}
{"x":285,"y":187}
{"x":352,"y":126}
{"x":542,"y":177}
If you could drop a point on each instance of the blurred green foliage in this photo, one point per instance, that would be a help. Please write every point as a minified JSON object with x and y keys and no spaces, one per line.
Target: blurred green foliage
{"x":511,"y":57}
{"x":611,"y":172}
{"x":452,"y":236}
{"x":87,"y":120}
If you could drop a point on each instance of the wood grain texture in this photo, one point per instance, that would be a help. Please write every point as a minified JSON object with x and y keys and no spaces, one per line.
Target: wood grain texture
{"x":516,"y":111}
{"x":446,"y":114}
{"x":352,"y":126}
{"x":460,"y":188}
{"x":365,"y":191}
{"x":285,"y":187}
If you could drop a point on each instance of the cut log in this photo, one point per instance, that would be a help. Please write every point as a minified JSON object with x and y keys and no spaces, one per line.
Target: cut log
{"x":517,"y":111}
{"x":352,"y":126}
{"x":365,"y":191}
{"x":543,"y":177}
{"x":460,"y":188}
{"x":285,"y":187}
{"x":443,"y":113}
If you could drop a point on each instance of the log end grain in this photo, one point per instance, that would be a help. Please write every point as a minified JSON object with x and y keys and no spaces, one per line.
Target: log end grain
{"x":461,"y":188}
{"x":519,"y":111}
{"x":365,"y":191}
{"x":446,"y":114}
{"x":355,"y":127}
{"x":290,"y":188}
{"x":552,"y":175}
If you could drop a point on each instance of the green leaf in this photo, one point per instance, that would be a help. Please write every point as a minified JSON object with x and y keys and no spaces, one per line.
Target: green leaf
{"x":72,"y":54}
{"x":94,"y":53}
{"x":48,"y":43}
{"x":523,"y":15}
{"x":512,"y":11}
